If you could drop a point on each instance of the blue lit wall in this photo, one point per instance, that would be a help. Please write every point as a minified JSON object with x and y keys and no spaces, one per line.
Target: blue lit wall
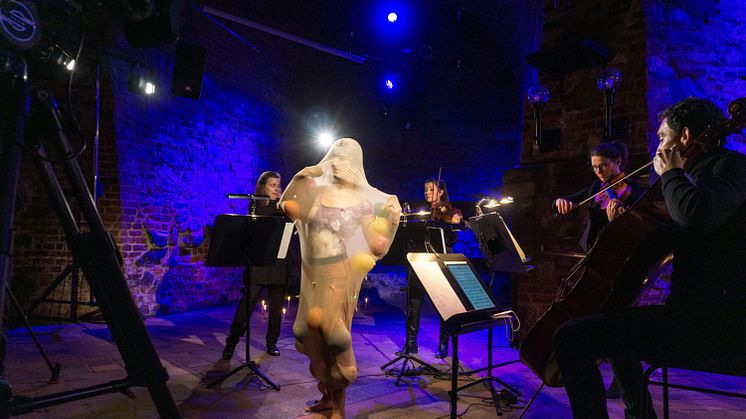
{"x":695,"y":48}
{"x":177,"y":159}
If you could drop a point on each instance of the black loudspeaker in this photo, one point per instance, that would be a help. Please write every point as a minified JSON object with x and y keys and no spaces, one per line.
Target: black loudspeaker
{"x":188,"y":69}
{"x":159,"y":28}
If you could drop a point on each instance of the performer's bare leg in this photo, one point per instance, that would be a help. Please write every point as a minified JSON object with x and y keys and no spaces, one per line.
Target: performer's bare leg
{"x":325,"y":403}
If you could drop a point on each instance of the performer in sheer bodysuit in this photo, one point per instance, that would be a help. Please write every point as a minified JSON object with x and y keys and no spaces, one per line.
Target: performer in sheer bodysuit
{"x":345,"y":225}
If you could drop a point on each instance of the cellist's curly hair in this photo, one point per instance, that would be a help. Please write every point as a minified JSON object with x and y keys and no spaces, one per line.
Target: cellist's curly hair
{"x":612,"y":151}
{"x":694,"y":113}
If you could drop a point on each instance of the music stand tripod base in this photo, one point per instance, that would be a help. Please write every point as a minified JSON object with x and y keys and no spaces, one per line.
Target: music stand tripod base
{"x":409,"y":359}
{"x":252,"y":366}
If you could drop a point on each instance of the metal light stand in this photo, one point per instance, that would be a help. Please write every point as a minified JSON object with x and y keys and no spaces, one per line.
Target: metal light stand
{"x":94,"y":249}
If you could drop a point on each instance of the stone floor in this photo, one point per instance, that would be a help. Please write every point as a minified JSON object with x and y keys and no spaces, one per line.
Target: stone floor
{"x":190,"y":344}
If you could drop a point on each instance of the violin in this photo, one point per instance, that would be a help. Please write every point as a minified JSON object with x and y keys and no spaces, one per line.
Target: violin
{"x":613,"y":190}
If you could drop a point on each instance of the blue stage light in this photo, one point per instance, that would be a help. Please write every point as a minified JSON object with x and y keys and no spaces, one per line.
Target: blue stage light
{"x":389,"y":84}
{"x":392,"y":17}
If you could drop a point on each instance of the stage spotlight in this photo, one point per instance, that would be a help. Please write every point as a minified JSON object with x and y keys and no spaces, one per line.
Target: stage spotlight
{"x":392,"y":82}
{"x":56,"y":56}
{"x":141,"y":80}
{"x":392,"y":17}
{"x":325,"y":139}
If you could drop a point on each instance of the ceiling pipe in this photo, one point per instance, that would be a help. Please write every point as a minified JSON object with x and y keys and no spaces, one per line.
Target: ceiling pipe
{"x":290,"y":37}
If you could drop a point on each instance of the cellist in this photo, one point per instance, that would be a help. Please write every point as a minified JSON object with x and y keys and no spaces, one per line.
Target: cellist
{"x":705,"y":313}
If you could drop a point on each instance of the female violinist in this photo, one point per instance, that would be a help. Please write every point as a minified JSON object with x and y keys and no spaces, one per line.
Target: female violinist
{"x":441,"y":210}
{"x":608,"y":161}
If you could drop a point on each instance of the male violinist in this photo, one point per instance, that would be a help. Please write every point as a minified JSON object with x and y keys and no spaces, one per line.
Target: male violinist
{"x":705,"y":314}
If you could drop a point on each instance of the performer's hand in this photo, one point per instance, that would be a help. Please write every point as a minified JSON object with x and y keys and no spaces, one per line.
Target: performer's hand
{"x":614,"y":209}
{"x":394,"y":209}
{"x":667,"y":159}
{"x":456,"y":218}
{"x":311,"y":171}
{"x":563,"y":206}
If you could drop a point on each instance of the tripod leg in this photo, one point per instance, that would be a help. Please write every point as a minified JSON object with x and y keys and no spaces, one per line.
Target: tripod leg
{"x":401,"y":371}
{"x":55,"y":369}
{"x":14,"y":106}
{"x":98,"y":257}
{"x":255,"y":369}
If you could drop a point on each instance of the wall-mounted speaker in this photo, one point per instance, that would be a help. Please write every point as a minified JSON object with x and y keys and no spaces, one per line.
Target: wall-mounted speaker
{"x":188,"y":69}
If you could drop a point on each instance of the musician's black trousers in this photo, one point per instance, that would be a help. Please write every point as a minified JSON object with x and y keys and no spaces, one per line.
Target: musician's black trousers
{"x":658,"y":333}
{"x":274,"y":301}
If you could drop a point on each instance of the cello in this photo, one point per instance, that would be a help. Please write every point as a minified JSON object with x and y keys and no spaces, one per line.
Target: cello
{"x":614,"y":270}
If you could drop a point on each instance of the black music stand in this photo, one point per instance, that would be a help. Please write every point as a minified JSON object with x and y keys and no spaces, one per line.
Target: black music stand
{"x":248,"y":240}
{"x":413,"y":235}
{"x":466,"y":305}
{"x":500,"y":250}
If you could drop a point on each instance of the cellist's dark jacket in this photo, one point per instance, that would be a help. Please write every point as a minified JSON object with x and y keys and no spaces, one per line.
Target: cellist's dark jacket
{"x":708,"y":206}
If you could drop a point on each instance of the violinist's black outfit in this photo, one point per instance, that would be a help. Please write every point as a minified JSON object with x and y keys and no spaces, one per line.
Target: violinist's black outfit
{"x":275,"y":279}
{"x":597,"y":218}
{"x":443,"y":213}
{"x":705,"y":314}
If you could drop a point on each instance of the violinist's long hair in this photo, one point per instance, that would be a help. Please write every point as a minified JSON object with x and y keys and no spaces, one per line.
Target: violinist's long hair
{"x":262,"y":181}
{"x":441,"y":187}
{"x":613,"y":151}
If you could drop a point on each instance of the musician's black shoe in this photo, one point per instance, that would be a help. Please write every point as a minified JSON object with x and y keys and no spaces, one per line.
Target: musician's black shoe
{"x":442,"y":350}
{"x":407,"y":349}
{"x":272,"y":350}
{"x":230,"y":347}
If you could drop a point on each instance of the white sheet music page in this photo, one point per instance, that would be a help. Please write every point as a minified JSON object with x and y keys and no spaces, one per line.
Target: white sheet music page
{"x":438,"y":288}
{"x":287,"y":233}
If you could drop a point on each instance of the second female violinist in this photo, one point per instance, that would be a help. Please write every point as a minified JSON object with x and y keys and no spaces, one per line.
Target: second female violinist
{"x":608,"y":161}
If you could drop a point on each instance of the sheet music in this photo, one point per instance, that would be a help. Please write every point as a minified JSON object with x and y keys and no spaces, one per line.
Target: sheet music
{"x":515,"y":244}
{"x":470,"y":284}
{"x":287,"y":233}
{"x":438,"y":288}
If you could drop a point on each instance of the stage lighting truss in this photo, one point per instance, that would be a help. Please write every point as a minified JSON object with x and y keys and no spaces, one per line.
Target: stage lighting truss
{"x":141,"y":80}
